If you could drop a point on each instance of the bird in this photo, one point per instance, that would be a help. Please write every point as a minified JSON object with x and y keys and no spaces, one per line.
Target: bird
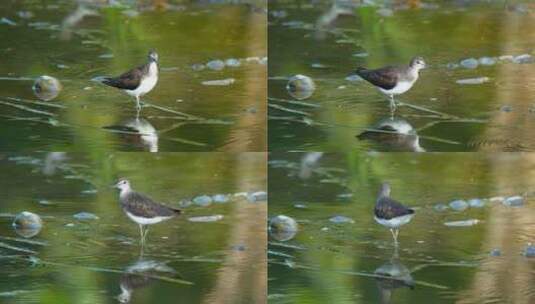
{"x":138,"y":81}
{"x":393,"y":80}
{"x":141,"y":209}
{"x":390,"y":213}
{"x":395,"y":134}
{"x":391,"y":276}
{"x":139,"y":275}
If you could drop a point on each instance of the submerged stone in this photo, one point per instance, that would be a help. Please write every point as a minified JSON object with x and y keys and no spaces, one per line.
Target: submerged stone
{"x":506,"y":108}
{"x":458,"y":205}
{"x":300,"y":87}
{"x":232,"y":62}
{"x":282,"y":228}
{"x":7,"y":21}
{"x":27,"y":224}
{"x":465,"y":223}
{"x":340,"y":219}
{"x":506,"y":58}
{"x":354,"y":78}
{"x":495,"y":252}
{"x":477,"y":80}
{"x":85,"y":216}
{"x":198,"y":66}
{"x":219,"y":82}
{"x":513,"y":201}
{"x":476,"y":203}
{"x":496,"y":199}
{"x":184,"y":203}
{"x":361,"y":55}
{"x":470,"y":63}
{"x":487,"y":61}
{"x":206,"y":219}
{"x":203,"y":200}
{"x":524,"y":58}
{"x":529,"y":251}
{"x":258,"y":196}
{"x":220,"y":198}
{"x":46,"y":87}
{"x":216,"y":65}
{"x":440,"y":207}
{"x":452,"y":65}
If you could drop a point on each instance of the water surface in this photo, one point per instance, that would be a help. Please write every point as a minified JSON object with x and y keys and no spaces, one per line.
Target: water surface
{"x":95,"y":260}
{"x":327,"y":40}
{"x":78,"y":41}
{"x":350,"y":261}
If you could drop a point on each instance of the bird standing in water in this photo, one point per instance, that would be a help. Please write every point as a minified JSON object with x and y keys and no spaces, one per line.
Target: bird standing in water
{"x":141,"y":209}
{"x":391,"y":213}
{"x":138,"y":81}
{"x":393,"y":80}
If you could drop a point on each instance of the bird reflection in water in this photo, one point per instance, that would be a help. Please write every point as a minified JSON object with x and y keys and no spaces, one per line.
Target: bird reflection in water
{"x":391,"y":276}
{"x":395,"y":133}
{"x":309,"y":161}
{"x":139,"y":275}
{"x":138,"y":130}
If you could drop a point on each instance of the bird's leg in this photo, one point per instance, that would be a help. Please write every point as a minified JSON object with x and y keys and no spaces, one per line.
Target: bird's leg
{"x":141,"y":234}
{"x":145,"y":235}
{"x":138,"y":110}
{"x":394,"y":235}
{"x":138,"y":105}
{"x":392,"y":102}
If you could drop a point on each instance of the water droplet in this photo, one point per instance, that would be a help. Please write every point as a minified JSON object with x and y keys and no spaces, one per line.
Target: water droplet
{"x":282,"y":228}
{"x":301,"y":87}
{"x":27,"y":224}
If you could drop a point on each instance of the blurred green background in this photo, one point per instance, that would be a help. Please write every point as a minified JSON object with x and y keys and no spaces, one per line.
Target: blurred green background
{"x":76,"y":41}
{"x":92,"y":261}
{"x":327,"y":40}
{"x":338,"y":248}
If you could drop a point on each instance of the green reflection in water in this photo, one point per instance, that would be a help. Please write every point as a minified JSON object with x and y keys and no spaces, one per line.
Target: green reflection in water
{"x":348,"y":262}
{"x":327,"y":40}
{"x":93,"y":261}
{"x":77,"y":42}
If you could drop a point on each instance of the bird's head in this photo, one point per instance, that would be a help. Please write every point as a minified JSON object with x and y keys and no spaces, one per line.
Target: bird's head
{"x":418,"y":63}
{"x":123,"y":184}
{"x":385,"y":190}
{"x":153,"y":56}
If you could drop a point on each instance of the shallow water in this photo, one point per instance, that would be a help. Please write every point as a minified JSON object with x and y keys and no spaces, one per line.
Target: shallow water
{"x":329,"y":39}
{"x":349,"y":261}
{"x":93,"y":261}
{"x":78,"y":41}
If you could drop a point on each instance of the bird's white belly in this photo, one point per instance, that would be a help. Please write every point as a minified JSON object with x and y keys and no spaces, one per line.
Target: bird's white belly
{"x":395,"y":222}
{"x":400,"y":88}
{"x":147,"y":221}
{"x":147,"y":83}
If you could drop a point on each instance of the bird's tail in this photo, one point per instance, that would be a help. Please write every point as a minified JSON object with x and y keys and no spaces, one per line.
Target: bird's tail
{"x":109,"y":81}
{"x":176,"y":211}
{"x":104,"y":80}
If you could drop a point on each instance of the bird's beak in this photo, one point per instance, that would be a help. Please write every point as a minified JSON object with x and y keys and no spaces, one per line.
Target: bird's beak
{"x":113,"y":186}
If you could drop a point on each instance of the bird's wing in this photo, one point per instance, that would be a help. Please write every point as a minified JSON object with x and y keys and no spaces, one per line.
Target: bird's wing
{"x":127,"y":81}
{"x":385,"y":78}
{"x":141,"y":205}
{"x":387,"y":208}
